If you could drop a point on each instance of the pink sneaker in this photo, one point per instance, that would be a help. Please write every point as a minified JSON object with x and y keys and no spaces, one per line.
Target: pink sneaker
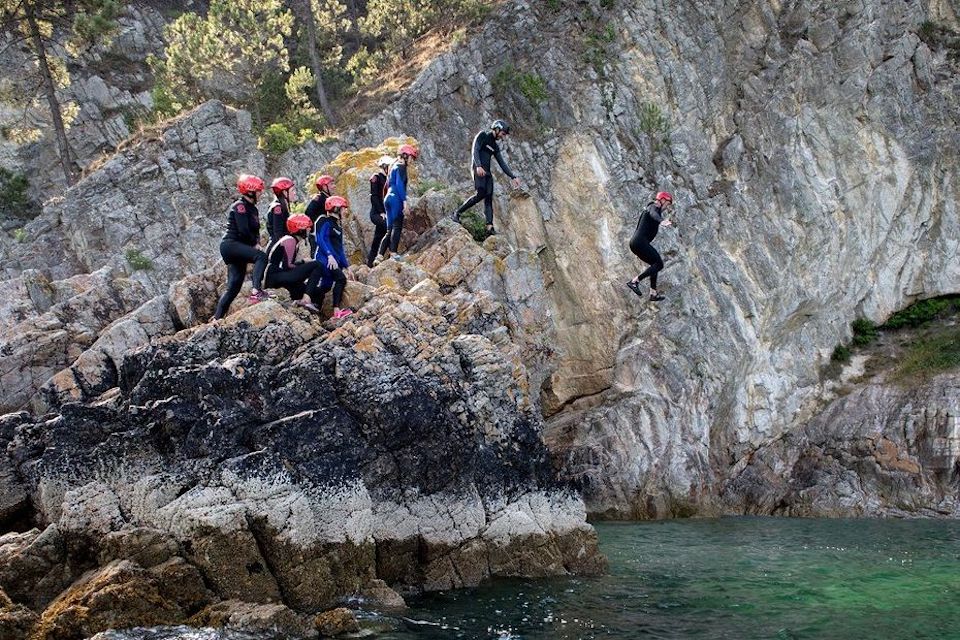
{"x":259,"y":296}
{"x":343,"y":313}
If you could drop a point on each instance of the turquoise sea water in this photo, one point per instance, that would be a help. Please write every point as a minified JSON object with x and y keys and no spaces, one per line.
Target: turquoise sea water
{"x":737,"y":578}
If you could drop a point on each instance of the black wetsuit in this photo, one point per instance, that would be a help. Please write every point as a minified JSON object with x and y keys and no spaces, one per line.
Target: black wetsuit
{"x":378,"y":215}
{"x":647,"y":228}
{"x":290,"y":275}
{"x":277,"y":219}
{"x":238,"y":250}
{"x":485,"y":148}
{"x":316,"y":209}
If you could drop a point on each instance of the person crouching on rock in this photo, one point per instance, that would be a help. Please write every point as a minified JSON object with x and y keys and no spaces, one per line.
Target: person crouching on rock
{"x":333,"y":265}
{"x":378,"y":213}
{"x":647,"y":226}
{"x":285,"y":269}
{"x":395,"y":202}
{"x":284,"y":192}
{"x":316,"y":208}
{"x":240,"y":245}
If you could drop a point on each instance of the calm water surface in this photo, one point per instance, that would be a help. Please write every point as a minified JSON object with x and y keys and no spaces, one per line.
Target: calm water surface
{"x":737,"y":578}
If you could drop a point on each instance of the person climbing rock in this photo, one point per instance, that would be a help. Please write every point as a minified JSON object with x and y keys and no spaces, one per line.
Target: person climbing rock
{"x":485,"y":147}
{"x":286,"y":270}
{"x":395,"y":202}
{"x":316,"y":207}
{"x":284,"y":192}
{"x":333,"y":265}
{"x":378,"y":214}
{"x":647,"y":227}
{"x":240,"y":245}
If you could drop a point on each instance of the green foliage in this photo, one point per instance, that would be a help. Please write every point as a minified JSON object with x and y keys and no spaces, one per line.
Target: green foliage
{"x":864,"y":332}
{"x":14,"y":201}
{"x":922,"y":312}
{"x":424,"y":186}
{"x":277,"y":139}
{"x":138,"y":261}
{"x":530,"y":85}
{"x":220,"y":55}
{"x":940,"y":36}
{"x":653,"y":124}
{"x":395,"y":24}
{"x":931,"y":354}
{"x":365,"y":65}
{"x":475,"y":224}
{"x":841,"y":354}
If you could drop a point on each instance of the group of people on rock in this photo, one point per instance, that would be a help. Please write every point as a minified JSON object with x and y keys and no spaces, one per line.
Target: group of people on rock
{"x":309,"y":279}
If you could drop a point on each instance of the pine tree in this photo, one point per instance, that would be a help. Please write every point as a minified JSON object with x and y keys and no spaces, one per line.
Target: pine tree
{"x":226,"y":54}
{"x":49,"y":31}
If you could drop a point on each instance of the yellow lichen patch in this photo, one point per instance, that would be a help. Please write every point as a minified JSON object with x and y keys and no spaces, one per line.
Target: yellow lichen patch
{"x":350,"y":167}
{"x":499,"y":266}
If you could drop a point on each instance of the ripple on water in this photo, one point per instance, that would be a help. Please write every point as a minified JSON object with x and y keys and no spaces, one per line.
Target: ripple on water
{"x":737,"y":578}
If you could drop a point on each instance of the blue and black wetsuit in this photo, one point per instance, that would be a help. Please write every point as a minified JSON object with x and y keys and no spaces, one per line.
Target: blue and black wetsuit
{"x":485,"y":148}
{"x":277,"y":216}
{"x":329,"y":243}
{"x":238,"y":249}
{"x":647,"y":227}
{"x":378,"y":214}
{"x":393,"y":203}
{"x":316,"y":209}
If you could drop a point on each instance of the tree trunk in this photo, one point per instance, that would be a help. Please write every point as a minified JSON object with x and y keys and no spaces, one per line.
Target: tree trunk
{"x":60,"y":131}
{"x":310,"y":26}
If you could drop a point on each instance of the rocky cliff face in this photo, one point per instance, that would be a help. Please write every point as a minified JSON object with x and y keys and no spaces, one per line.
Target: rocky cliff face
{"x":812,"y":147}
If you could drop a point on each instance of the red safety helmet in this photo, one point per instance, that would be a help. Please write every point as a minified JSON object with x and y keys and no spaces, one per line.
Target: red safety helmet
{"x":298,"y":222}
{"x":663,"y":195}
{"x":323,"y":181}
{"x":247,"y":183}
{"x":336,"y":202}
{"x":280,"y":185}
{"x":409,"y":150}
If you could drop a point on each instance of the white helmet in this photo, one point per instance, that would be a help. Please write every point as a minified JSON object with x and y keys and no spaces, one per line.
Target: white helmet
{"x":385,"y":161}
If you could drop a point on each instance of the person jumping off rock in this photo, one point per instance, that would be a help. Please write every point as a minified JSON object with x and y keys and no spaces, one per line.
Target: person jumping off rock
{"x":240,"y":245}
{"x":647,"y":226}
{"x":333,"y":265}
{"x":284,"y":192}
{"x":485,"y":147}
{"x":286,"y":270}
{"x":395,"y":202}
{"x":316,"y":208}
{"x":378,"y":213}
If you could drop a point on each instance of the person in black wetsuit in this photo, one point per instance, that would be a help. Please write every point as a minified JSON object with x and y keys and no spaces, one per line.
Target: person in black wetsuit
{"x":378,"y":214}
{"x":484,"y":148}
{"x":284,"y":192}
{"x":316,"y":208}
{"x":650,"y":220}
{"x":285,"y":268}
{"x":240,"y":245}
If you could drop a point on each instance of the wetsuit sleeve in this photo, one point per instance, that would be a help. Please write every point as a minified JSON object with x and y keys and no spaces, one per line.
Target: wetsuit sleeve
{"x":376,"y":194}
{"x":342,"y":258}
{"x":655,"y":212}
{"x":477,"y":145}
{"x":247,"y":231}
{"x":500,"y":161}
{"x":324,"y":247}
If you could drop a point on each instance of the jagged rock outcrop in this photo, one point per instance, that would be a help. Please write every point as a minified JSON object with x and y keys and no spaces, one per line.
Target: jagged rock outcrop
{"x":113,"y":245}
{"x":812,"y":147}
{"x":296,"y":462}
